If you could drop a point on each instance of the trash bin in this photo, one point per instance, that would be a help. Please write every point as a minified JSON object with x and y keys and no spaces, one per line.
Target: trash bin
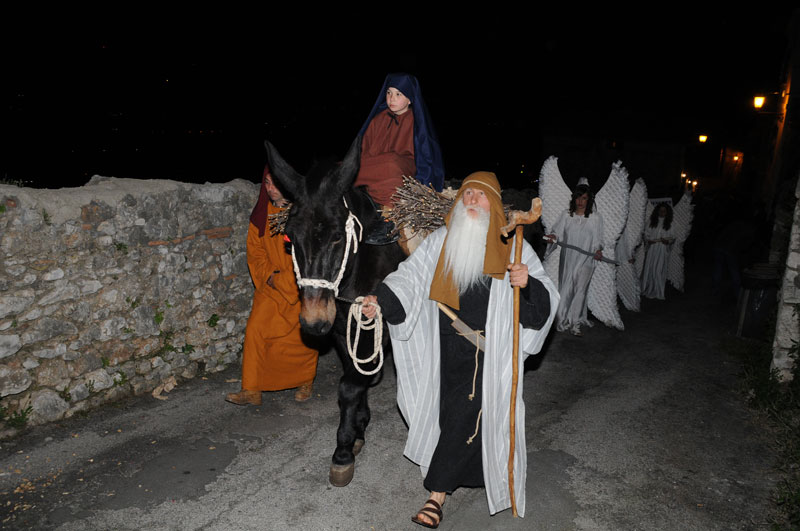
{"x":758,"y":297}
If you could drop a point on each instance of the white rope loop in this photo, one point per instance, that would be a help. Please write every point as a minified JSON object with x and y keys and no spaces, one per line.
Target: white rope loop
{"x":365,"y":323}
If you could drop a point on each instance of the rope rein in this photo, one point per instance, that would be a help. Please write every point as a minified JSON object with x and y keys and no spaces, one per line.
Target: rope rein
{"x":355,"y":306}
{"x":364,"y":323}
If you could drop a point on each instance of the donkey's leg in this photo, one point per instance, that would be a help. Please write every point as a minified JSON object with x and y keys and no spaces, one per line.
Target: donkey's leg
{"x":352,"y":393}
{"x":362,"y":421}
{"x":363,"y":415}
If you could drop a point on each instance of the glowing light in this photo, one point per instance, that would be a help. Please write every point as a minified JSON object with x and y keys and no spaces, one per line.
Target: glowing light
{"x":758,"y":102}
{"x":736,"y":157}
{"x":702,"y":138}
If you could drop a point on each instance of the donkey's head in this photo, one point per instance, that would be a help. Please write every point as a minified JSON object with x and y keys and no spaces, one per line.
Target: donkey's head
{"x":316,"y":230}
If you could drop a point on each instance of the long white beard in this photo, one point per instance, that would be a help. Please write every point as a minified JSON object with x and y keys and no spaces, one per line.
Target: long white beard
{"x":465,"y":246}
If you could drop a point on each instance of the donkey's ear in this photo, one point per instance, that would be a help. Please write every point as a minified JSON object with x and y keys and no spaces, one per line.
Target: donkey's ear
{"x":348,"y":169}
{"x":291,"y":181}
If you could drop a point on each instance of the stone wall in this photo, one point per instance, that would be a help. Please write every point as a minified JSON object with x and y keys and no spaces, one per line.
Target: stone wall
{"x":115,"y":288}
{"x":787,"y":329}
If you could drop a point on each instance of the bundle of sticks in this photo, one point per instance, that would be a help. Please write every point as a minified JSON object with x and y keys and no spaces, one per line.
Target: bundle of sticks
{"x":277,"y":221}
{"x":422,"y":209}
{"x":417,"y":207}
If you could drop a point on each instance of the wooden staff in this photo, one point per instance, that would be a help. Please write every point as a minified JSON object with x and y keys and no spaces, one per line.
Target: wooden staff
{"x":516,"y":219}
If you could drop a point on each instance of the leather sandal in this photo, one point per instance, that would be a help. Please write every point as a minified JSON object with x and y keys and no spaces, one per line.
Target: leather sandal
{"x":433,"y":511}
{"x":245,"y":397}
{"x":303,"y":392}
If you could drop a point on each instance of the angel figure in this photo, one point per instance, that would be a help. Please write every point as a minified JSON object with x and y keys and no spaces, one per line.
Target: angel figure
{"x":664,"y":237}
{"x":586,"y":232}
{"x":628,"y":286}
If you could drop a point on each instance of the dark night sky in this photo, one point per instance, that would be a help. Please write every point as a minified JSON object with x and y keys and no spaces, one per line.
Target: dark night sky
{"x":128,"y":97}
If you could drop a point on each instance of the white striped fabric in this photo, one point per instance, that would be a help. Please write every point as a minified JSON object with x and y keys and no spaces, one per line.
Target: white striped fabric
{"x":416,"y":354}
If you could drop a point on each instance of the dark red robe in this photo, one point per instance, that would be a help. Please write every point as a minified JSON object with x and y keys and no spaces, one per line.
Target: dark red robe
{"x":387,"y":153}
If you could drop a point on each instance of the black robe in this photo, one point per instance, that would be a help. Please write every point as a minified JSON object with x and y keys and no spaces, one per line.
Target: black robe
{"x":455,"y":462}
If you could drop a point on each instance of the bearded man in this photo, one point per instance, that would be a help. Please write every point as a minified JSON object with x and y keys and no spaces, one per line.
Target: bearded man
{"x":455,"y":397}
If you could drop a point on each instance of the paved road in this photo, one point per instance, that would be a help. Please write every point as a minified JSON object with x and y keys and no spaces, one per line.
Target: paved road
{"x":640,"y":429}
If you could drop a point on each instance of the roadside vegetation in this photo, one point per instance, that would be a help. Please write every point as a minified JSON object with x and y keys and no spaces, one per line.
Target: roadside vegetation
{"x":780,"y":403}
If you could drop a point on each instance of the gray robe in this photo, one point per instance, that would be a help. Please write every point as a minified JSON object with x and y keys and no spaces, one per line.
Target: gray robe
{"x":415,"y":343}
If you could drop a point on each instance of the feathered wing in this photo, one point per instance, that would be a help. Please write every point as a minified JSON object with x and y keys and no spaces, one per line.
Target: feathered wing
{"x":628,"y":285}
{"x":641,"y":251}
{"x":612,"y":203}
{"x":682,"y":216}
{"x":555,"y":195}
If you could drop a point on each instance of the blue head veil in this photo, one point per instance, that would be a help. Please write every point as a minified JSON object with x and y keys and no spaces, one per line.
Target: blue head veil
{"x":427,"y":153}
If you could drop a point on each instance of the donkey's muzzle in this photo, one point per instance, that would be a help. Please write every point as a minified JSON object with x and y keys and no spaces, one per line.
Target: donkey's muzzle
{"x":317,"y":311}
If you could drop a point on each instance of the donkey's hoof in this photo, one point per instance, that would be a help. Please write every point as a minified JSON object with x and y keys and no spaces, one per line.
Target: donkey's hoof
{"x":341,"y":475}
{"x":357,"y":446}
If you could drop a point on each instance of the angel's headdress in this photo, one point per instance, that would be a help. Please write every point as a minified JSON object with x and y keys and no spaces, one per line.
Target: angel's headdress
{"x":582,"y":188}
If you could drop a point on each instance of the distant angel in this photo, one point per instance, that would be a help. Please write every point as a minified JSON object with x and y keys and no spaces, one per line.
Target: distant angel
{"x":658,"y":239}
{"x":664,"y":237}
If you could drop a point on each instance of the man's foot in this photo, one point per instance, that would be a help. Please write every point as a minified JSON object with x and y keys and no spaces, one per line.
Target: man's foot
{"x":430,"y":515}
{"x":245,"y":397}
{"x":303,"y":392}
{"x":576,"y":331}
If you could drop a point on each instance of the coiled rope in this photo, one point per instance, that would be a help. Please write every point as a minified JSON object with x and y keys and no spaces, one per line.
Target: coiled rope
{"x":365,"y":323}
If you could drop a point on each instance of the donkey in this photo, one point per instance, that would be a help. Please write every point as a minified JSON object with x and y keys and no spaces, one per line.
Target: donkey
{"x":324,"y":205}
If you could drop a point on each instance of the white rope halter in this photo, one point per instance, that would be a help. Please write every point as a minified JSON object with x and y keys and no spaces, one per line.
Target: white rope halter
{"x":350,"y":235}
{"x":355,"y":307}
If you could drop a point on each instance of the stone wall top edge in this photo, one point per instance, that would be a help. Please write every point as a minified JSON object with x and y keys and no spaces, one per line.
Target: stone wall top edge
{"x":127,"y":185}
{"x":63,"y":204}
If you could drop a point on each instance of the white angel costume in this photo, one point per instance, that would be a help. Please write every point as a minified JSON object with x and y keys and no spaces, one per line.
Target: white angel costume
{"x":416,"y":346}
{"x":659,"y":242}
{"x":666,"y":263}
{"x":575,"y":268}
{"x":599,"y":231}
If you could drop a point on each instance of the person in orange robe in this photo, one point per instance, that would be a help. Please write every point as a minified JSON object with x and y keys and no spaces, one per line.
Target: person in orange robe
{"x":275,"y":356}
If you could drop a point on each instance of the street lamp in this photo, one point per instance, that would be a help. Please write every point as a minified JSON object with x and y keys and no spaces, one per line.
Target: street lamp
{"x":702,"y":138}
{"x":758,"y":102}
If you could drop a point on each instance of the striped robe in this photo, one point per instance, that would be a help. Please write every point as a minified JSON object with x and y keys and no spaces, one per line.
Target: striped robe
{"x":415,"y":343}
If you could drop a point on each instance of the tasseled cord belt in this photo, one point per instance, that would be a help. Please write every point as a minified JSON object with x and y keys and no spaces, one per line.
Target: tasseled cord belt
{"x":474,"y":380}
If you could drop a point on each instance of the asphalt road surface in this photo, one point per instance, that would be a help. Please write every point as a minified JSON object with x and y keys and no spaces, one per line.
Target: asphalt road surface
{"x":637,"y":429}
